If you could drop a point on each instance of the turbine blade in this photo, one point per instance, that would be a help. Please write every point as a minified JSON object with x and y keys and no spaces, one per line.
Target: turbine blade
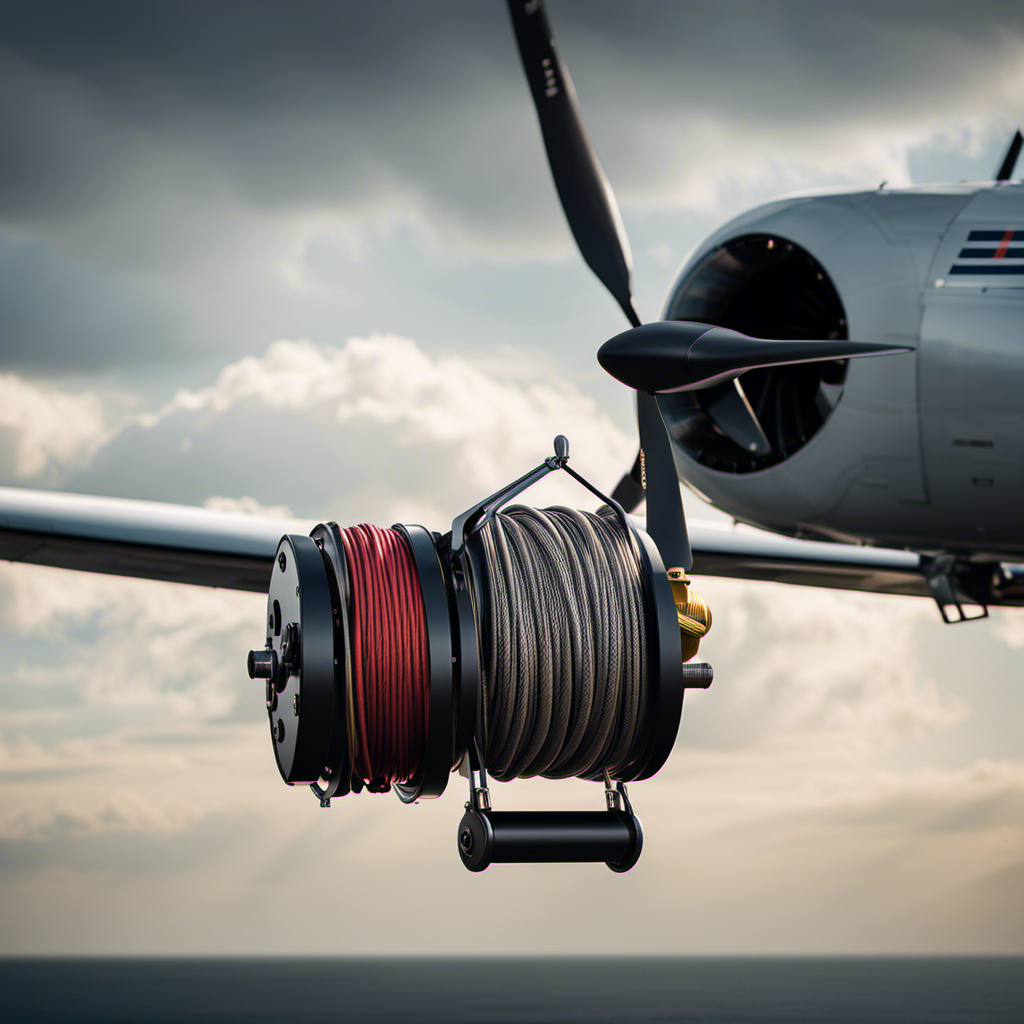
{"x":732,"y":413}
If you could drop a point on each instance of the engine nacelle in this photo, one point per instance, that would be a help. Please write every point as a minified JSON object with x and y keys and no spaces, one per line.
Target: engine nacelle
{"x":862,"y":449}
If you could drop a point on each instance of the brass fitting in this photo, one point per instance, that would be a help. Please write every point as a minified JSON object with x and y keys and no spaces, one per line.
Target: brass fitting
{"x":692,"y":611}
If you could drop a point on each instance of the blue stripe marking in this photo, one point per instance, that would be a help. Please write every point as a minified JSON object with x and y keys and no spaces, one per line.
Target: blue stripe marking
{"x":994,"y":236}
{"x":987,"y":268}
{"x":1013,"y":253}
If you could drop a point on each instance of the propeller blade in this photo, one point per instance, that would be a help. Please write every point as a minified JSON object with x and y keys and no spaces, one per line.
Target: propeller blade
{"x":665,"y":520}
{"x":1009,"y":164}
{"x":593,"y":215}
{"x":586,"y":196}
{"x":730,"y":410}
{"x":677,"y":355}
{"x":629,"y":491}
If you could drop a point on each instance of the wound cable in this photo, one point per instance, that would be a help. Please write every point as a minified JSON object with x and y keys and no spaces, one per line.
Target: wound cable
{"x":390,"y":674}
{"x":565,"y":681}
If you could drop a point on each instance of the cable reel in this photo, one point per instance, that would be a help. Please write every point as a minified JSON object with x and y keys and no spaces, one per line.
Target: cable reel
{"x":394,"y":657}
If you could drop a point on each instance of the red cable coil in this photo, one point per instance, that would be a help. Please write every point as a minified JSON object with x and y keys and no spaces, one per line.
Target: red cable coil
{"x":390,"y":674}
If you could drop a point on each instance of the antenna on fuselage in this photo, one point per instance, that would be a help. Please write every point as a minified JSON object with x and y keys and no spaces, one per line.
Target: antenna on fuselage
{"x":1006,"y":168}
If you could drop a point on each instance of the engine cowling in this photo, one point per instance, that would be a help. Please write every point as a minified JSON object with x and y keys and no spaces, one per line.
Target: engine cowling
{"x":844,"y":455}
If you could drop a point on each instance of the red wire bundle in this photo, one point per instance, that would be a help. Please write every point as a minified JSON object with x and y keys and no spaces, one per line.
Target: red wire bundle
{"x":390,"y":674}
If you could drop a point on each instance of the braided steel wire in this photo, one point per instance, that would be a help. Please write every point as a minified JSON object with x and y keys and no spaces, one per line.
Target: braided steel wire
{"x":565,"y":681}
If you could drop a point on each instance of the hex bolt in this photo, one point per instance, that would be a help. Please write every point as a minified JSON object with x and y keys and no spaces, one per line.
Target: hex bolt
{"x":282,"y":561}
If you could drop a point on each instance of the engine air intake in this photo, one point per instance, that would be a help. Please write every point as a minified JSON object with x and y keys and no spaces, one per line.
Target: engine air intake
{"x":767,"y":287}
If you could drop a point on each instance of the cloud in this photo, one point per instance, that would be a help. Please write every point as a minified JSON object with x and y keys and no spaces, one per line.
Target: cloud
{"x":44,"y":429}
{"x":822,"y":796}
{"x":1008,"y":626}
{"x":375,"y":429}
{"x":247,"y":505}
{"x":130,"y":650}
{"x":832,"y":669}
{"x":173,"y":184}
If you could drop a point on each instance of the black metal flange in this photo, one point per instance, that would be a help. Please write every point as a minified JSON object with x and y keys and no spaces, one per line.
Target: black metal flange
{"x":335,"y":777}
{"x":298,"y":661}
{"x":664,"y":662}
{"x":438,"y":749}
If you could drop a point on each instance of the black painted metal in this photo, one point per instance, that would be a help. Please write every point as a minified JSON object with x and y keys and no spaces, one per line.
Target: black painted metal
{"x":488,"y":837}
{"x":301,"y":721}
{"x":665,"y":520}
{"x":435,"y":769}
{"x":678,"y":355}
{"x":336,"y":775}
{"x":664,"y":663}
{"x":467,"y":657}
{"x":584,"y":191}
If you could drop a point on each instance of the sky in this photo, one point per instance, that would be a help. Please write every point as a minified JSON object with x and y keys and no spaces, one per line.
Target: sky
{"x":306,"y":259}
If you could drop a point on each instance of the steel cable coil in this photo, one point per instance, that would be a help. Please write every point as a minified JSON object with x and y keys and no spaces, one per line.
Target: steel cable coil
{"x":565,"y":681}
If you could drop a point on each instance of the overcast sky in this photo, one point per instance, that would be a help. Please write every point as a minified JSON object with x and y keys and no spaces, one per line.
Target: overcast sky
{"x":306,"y":258}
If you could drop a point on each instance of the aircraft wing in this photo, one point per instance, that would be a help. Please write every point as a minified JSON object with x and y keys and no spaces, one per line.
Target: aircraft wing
{"x":746,"y":553}
{"x":184,"y":544}
{"x":178,"y":543}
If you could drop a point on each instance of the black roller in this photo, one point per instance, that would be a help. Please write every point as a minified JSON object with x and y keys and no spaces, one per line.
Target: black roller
{"x":541,"y":837}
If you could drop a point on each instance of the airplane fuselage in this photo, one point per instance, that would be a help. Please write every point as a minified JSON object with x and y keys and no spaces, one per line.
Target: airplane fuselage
{"x":923,"y":450}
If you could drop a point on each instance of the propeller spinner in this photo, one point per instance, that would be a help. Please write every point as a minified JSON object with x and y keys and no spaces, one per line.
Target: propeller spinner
{"x":676,"y":355}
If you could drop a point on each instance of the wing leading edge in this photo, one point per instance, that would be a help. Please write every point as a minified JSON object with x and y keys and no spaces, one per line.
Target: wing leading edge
{"x":146,"y":539}
{"x":182,"y":544}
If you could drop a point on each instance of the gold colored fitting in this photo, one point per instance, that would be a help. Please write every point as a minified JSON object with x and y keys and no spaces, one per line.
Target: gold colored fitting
{"x":692,"y":612}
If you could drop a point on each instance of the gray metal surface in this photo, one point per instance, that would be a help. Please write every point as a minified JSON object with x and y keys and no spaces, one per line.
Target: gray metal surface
{"x":216,"y":549}
{"x":140,"y":538}
{"x":922,"y":451}
{"x":182,"y":544}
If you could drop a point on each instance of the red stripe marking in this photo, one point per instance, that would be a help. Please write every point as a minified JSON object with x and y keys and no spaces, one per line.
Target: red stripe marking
{"x":1004,"y":245}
